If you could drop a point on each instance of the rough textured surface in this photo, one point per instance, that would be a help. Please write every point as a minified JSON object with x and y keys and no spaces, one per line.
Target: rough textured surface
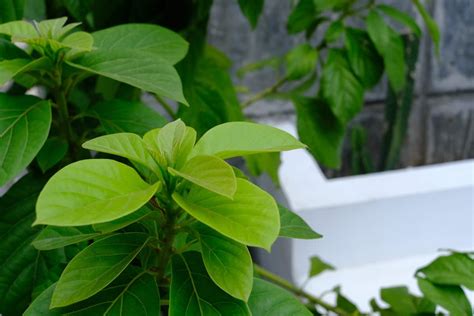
{"x":442,"y":113}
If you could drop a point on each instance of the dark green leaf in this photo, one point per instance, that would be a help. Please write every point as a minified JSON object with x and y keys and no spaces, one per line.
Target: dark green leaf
{"x":270,"y":300}
{"x":431,"y":25}
{"x":194,"y":293}
{"x":268,"y":163}
{"x":340,"y":88}
{"x":301,"y":17}
{"x":399,"y":299}
{"x":24,"y":127}
{"x":97,"y":266}
{"x":334,"y":31}
{"x":343,"y":303}
{"x":401,"y":17}
{"x":301,"y":61}
{"x":320,"y":130}
{"x":318,"y":266}
{"x":52,"y":152}
{"x":8,"y":50}
{"x":252,"y":9}
{"x":293,"y":226}
{"x":53,"y":237}
{"x":40,"y":306}
{"x":11,"y":10}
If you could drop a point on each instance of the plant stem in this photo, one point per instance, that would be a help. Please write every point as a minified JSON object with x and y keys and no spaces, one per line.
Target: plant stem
{"x":64,"y":120}
{"x":264,"y":93}
{"x":169,"y":232}
{"x":297,"y":291}
{"x":166,"y":106}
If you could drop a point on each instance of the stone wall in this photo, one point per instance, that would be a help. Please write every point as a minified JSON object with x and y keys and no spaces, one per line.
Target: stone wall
{"x":442,"y":119}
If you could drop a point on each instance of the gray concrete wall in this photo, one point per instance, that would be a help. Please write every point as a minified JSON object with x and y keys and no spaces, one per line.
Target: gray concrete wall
{"x":442,"y":119}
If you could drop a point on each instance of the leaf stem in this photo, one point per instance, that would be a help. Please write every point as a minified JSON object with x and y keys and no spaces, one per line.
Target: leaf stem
{"x":64,"y":120}
{"x":264,"y":93}
{"x":296,"y":291}
{"x":166,"y":106}
{"x":169,"y":232}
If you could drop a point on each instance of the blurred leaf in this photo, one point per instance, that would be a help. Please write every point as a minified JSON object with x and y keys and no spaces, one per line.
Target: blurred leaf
{"x":52,"y":152}
{"x":361,"y":160}
{"x":318,"y":266}
{"x":252,"y":9}
{"x":301,"y":17}
{"x":268,"y":163}
{"x":345,"y":304}
{"x":293,"y":226}
{"x":301,"y":61}
{"x":272,"y":62}
{"x":451,"y":297}
{"x":431,"y":25}
{"x":334,"y":5}
{"x":401,"y":17}
{"x":334,"y":31}
{"x":11,"y":10}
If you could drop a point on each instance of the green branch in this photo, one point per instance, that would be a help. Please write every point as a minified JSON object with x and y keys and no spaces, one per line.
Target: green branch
{"x":264,"y":93}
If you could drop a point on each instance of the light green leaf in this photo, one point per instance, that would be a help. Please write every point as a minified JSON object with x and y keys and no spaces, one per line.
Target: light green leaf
{"x":250,"y":218}
{"x":340,"y":88}
{"x":431,"y":25}
{"x":149,"y":38}
{"x":127,"y":116}
{"x":96,"y":266}
{"x":401,"y":17}
{"x":293,"y":226}
{"x":139,"y":69}
{"x":52,"y":28}
{"x":126,"y":145}
{"x":228,"y":263}
{"x":450,"y":297}
{"x":268,"y":299}
{"x":301,"y":17}
{"x":122,"y":221}
{"x":320,"y":130}
{"x":366,"y":63}
{"x":193,"y":292}
{"x":9,"y":68}
{"x":24,"y":127}
{"x":18,"y":30}
{"x":301,"y":61}
{"x":92,"y":191}
{"x":243,"y":138}
{"x":455,"y":269}
{"x":80,"y":42}
{"x":318,"y":266}
{"x":209,"y":172}
{"x":52,"y":152}
{"x":390,"y":45}
{"x":175,"y":141}
{"x":53,"y":237}
{"x":252,"y":9}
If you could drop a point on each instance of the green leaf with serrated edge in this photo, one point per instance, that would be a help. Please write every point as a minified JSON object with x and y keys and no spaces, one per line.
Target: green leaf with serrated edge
{"x":127,"y":116}
{"x":340,"y":88}
{"x":252,"y":9}
{"x":92,"y":191}
{"x":228,"y":262}
{"x":450,"y":297}
{"x":18,"y":30}
{"x":317,"y":266}
{"x":455,"y":269}
{"x":301,"y":17}
{"x":431,"y":25}
{"x":194,"y":293}
{"x":293,"y":226}
{"x":209,"y":172}
{"x":301,"y":61}
{"x":53,"y":237}
{"x":122,"y":221}
{"x":126,"y":145}
{"x":52,"y":152}
{"x":268,"y":299}
{"x":96,"y":266}
{"x":320,"y":130}
{"x":24,"y":127}
{"x":390,"y":46}
{"x":175,"y":141}
{"x":139,"y":69}
{"x":250,"y":218}
{"x":366,"y":63}
{"x":243,"y":138}
{"x":401,"y":17}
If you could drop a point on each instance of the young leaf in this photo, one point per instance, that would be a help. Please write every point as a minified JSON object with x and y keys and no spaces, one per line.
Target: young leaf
{"x":139,"y":69}
{"x":302,"y":16}
{"x":175,"y":141}
{"x":250,"y":218}
{"x":194,"y":293}
{"x":92,"y":191}
{"x":320,"y":130}
{"x":340,"y":88}
{"x":53,"y":237}
{"x":318,"y":266}
{"x":450,"y":297}
{"x":96,"y":266}
{"x":122,"y":222}
{"x":228,"y":263}
{"x":301,"y":61}
{"x":252,"y":9}
{"x":79,"y":42}
{"x":293,"y":226}
{"x":430,"y":24}
{"x":455,"y":269}
{"x":209,"y":172}
{"x":18,"y":30}
{"x":126,"y":145}
{"x":363,"y":57}
{"x":401,"y":17}
{"x":118,"y":116}
{"x":52,"y":152}
{"x":269,"y":299}
{"x":243,"y":138}
{"x":390,"y":46}
{"x":24,"y":127}
{"x":149,"y":38}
